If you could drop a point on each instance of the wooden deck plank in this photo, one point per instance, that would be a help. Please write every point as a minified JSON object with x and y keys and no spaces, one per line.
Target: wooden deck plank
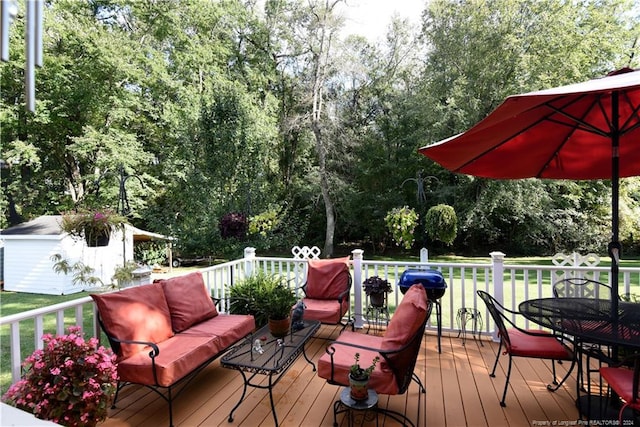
{"x":459,"y":393}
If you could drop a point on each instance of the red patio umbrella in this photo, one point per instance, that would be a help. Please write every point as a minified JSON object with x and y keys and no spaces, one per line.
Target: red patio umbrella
{"x":588,"y":130}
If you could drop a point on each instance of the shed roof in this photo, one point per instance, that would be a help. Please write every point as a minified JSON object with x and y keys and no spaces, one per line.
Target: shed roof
{"x":49,"y":225}
{"x":46,"y":225}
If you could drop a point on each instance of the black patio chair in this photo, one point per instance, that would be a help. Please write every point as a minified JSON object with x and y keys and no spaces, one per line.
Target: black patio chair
{"x":519,"y":342}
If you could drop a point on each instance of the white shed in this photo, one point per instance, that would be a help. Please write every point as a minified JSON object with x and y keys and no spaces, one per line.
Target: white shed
{"x":28,"y":249}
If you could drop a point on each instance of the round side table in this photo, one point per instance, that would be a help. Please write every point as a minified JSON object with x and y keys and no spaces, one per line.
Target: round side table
{"x":352,"y":407}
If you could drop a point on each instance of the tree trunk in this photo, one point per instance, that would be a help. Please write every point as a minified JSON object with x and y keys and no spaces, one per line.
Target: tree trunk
{"x":326,"y":196}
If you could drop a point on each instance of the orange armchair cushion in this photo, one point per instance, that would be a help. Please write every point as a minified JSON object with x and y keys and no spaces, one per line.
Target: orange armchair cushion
{"x":325,"y":310}
{"x":188,"y":300}
{"x":382,"y":378}
{"x":139,"y":313}
{"x":327,"y":278}
{"x":409,"y":316}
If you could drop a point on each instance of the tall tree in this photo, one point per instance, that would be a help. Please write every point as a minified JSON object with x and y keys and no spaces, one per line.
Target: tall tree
{"x":482,"y":51}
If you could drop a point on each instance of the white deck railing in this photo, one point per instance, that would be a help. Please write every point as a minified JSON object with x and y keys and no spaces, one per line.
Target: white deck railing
{"x":510,"y":284}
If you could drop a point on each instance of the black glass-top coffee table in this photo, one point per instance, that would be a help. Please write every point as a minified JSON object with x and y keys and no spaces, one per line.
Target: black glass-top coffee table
{"x":277,"y":355}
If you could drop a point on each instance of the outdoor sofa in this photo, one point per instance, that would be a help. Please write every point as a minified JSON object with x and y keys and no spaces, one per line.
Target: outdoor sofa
{"x":164,"y":333}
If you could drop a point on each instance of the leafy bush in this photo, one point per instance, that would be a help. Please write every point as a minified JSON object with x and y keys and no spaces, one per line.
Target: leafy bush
{"x":151,"y":252}
{"x":234,"y":224}
{"x":264,"y":222}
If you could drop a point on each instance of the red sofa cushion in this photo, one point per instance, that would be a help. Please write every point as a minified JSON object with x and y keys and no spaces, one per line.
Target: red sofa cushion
{"x":179,"y":356}
{"x":228,"y":328}
{"x":327,"y":278}
{"x":188,"y":300}
{"x":139,"y":313}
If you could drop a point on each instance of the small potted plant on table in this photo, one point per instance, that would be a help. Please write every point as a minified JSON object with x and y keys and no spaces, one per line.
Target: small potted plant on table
{"x":376,"y":287}
{"x":359,"y":378}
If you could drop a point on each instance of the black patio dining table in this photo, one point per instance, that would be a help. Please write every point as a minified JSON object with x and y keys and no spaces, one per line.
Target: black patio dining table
{"x":588,"y":320}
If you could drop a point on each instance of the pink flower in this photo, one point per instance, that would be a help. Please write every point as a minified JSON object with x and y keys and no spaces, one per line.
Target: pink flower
{"x":52,"y":375}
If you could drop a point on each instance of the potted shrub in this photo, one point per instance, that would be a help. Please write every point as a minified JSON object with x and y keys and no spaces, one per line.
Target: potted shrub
{"x":276,"y":302}
{"x":359,"y":378}
{"x":94,"y":226}
{"x":245,"y":296}
{"x":376,"y":287}
{"x":70,"y":381}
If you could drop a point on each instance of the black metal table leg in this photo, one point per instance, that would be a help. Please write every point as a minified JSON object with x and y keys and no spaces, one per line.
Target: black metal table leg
{"x":244,"y":392}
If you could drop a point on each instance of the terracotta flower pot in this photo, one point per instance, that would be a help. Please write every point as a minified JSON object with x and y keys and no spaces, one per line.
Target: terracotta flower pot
{"x":359,"y":388}
{"x":279,"y":328}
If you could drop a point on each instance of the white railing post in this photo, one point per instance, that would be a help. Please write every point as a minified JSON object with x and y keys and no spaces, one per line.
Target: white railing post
{"x":357,"y":287}
{"x":249,"y":259}
{"x":424,"y":255}
{"x":497,"y":260}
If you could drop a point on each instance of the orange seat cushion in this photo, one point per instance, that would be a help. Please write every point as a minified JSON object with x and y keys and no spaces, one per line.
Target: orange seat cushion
{"x":229,"y":328}
{"x":188,"y":300}
{"x":382,"y":378}
{"x":139,"y":313}
{"x":179,"y":356}
{"x":327,"y":278}
{"x":326,"y":311}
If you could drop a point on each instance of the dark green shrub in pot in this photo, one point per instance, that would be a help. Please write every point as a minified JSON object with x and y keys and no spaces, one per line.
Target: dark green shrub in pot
{"x":262,"y":295}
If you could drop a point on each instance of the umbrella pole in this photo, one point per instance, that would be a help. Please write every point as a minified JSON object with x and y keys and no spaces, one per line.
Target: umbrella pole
{"x":615,"y":246}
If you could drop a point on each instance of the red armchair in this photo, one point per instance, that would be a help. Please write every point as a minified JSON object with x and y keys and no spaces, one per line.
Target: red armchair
{"x":398,"y":350}
{"x":327,"y":291}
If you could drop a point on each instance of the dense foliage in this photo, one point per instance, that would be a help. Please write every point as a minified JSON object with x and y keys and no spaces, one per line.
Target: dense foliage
{"x":268,"y":110}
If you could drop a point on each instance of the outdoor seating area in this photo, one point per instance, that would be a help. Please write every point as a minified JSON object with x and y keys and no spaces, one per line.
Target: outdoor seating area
{"x":459,"y":392}
{"x":448,"y":381}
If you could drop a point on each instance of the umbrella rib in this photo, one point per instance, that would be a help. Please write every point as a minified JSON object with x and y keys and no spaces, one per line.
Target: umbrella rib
{"x":533,"y":124}
{"x":635,"y":114}
{"x":580,"y":123}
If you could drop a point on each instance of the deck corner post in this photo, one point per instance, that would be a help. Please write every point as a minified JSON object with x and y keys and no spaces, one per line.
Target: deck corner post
{"x":497,"y":261}
{"x":357,"y":288}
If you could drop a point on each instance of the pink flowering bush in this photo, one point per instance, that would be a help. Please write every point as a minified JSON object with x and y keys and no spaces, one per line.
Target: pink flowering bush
{"x":70,"y":381}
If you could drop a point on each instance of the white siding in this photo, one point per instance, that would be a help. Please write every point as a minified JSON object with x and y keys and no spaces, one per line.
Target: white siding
{"x":28,"y":266}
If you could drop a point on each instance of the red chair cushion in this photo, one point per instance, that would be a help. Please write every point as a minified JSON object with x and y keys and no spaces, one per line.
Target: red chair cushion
{"x":327,"y":278}
{"x":188,"y":300}
{"x":543,"y":347}
{"x":409,"y":316}
{"x":325,"y":310}
{"x":382,"y":379}
{"x":139,"y":313}
{"x":621,"y":381}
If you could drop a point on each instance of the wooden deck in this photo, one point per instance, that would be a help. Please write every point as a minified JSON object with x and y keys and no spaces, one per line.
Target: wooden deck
{"x":459,"y":393}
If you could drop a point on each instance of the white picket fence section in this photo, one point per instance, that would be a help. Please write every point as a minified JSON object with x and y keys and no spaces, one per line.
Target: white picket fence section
{"x":509,"y":283}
